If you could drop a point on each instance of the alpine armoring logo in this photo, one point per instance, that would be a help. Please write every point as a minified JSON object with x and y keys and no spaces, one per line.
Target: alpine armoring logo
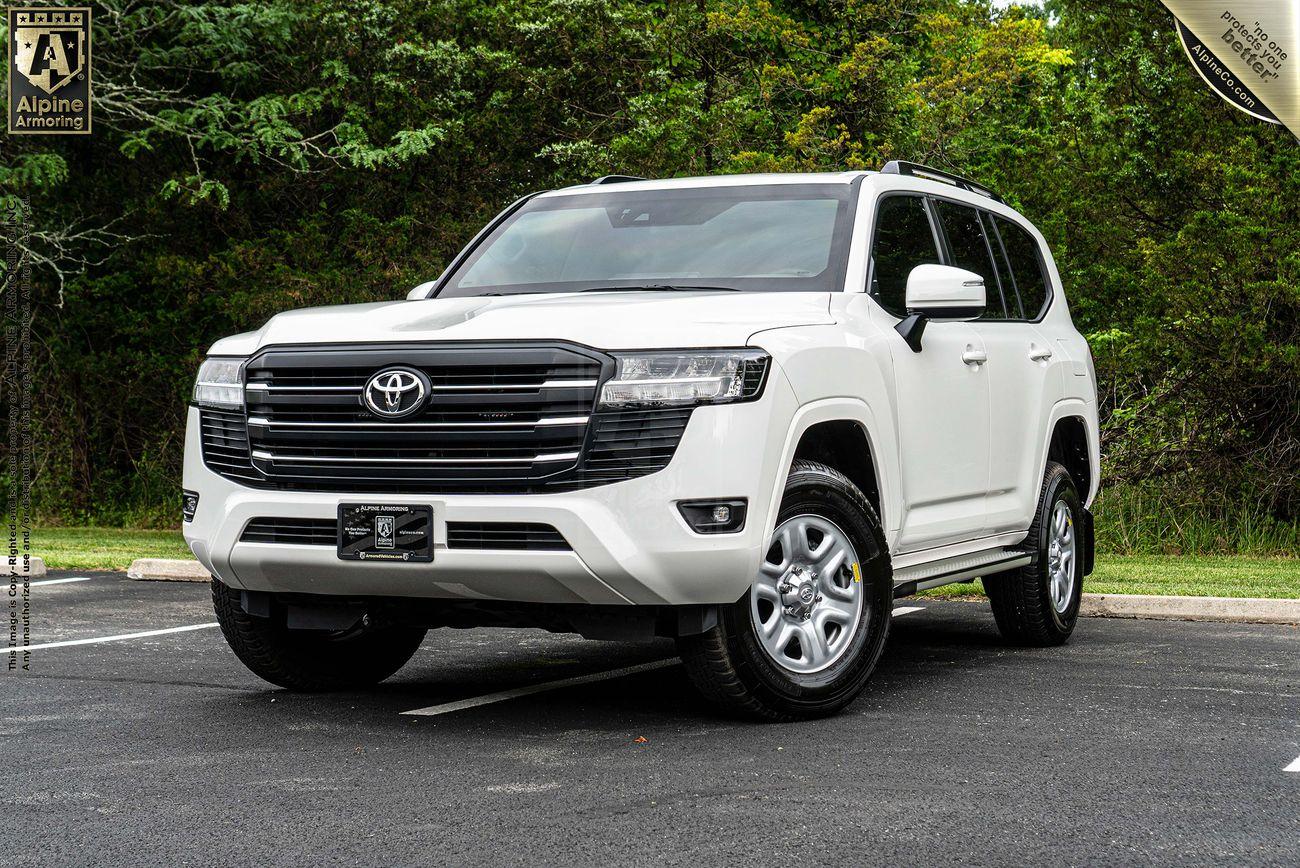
{"x":49,"y":70}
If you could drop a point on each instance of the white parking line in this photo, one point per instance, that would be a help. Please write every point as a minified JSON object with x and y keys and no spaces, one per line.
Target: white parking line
{"x":61,"y":581}
{"x":121,"y":638}
{"x":1294,"y":767}
{"x":907,"y":610}
{"x":489,"y":698}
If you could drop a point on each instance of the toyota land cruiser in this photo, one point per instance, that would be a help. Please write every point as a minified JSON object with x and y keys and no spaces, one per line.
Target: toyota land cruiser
{"x":743,"y":412}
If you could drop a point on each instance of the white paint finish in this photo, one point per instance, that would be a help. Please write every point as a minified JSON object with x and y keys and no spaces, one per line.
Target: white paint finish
{"x":61,"y":581}
{"x":1021,"y":390}
{"x":609,"y":320}
{"x":907,"y":610}
{"x":942,"y":408}
{"x":1294,"y":767}
{"x":122,"y":638}
{"x":503,"y":695}
{"x":945,"y":287}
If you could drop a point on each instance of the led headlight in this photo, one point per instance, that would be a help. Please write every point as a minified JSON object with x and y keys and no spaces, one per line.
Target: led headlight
{"x":220,"y":384}
{"x":685,"y":378}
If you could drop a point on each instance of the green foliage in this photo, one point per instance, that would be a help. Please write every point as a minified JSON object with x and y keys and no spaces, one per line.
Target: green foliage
{"x":253,"y":157}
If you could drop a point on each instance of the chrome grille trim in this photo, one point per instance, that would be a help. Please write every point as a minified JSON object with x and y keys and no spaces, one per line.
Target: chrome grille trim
{"x":531,"y":427}
{"x":468,"y":387}
{"x":551,"y":420}
{"x":262,"y":455}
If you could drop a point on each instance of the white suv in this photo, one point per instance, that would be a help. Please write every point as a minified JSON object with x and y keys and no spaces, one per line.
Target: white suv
{"x":744,"y":412}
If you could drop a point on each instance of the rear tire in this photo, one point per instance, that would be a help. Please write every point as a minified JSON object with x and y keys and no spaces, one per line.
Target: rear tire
{"x":1039,"y":604}
{"x":311,"y":660}
{"x":740,"y":666}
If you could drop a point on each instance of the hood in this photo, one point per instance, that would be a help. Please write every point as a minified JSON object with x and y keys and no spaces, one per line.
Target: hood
{"x":607,"y":320}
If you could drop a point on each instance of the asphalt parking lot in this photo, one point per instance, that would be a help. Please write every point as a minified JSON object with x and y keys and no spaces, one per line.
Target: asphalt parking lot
{"x":1139,"y":742}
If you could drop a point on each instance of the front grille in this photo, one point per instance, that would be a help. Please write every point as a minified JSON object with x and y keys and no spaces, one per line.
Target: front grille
{"x":504,"y":535}
{"x":292,"y":531}
{"x":500,"y":419}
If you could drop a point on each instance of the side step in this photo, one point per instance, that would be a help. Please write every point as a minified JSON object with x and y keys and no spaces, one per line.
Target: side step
{"x":958,"y":569}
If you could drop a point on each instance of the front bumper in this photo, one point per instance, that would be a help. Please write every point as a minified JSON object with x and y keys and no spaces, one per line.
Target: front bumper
{"x":630,"y":544}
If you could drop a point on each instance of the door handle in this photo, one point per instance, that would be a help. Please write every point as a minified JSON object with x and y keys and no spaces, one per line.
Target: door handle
{"x":974,"y":357}
{"x":1039,"y":354}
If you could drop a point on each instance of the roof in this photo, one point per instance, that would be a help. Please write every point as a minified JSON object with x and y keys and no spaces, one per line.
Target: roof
{"x":717,"y":181}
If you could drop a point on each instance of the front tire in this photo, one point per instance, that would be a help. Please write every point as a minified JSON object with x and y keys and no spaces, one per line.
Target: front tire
{"x":804,"y":639}
{"x":1039,"y":604}
{"x":311,"y":660}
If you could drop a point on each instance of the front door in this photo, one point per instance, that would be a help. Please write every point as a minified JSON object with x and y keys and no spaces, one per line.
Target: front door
{"x":942,"y":392}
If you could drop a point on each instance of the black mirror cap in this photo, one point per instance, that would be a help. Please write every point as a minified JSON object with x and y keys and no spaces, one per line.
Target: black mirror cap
{"x":912,"y":328}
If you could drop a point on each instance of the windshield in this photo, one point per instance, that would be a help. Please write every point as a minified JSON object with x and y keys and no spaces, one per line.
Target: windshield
{"x":770,"y":238}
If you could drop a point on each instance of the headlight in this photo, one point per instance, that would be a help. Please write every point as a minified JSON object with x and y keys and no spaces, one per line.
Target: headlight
{"x":220,"y":384}
{"x":685,"y":378}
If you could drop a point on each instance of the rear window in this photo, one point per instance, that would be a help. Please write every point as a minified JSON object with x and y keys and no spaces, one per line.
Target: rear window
{"x":1026,"y":266}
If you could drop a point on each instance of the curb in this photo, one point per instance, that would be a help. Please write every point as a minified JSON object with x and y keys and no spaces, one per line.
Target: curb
{"x":35,"y":570}
{"x":1247,"y":610}
{"x":166,"y":570}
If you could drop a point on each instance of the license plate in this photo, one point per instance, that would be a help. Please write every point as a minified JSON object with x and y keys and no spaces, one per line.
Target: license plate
{"x":385,"y":532}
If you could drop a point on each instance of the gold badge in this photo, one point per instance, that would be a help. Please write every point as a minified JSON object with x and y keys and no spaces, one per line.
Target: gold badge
{"x":49,"y":70}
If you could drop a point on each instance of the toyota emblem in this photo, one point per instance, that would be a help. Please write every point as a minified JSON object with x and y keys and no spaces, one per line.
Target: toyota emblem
{"x":396,"y":392}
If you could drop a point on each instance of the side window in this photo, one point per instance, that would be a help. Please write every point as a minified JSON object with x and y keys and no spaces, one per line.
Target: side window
{"x":970,"y":250}
{"x":1004,"y":269}
{"x":903,"y":240}
{"x":1026,"y":265}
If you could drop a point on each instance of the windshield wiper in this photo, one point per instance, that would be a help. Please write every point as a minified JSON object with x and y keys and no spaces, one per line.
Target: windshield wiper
{"x":662,"y":287}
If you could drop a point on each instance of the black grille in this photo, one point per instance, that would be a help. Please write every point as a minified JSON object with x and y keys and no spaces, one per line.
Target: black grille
{"x":499,"y":419}
{"x":631,"y":443}
{"x":460,"y":534}
{"x":503,"y":535}
{"x":225,"y":445}
{"x":292,"y":531}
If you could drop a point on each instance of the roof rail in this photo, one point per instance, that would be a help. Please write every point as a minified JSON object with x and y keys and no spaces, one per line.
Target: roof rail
{"x":617,"y":179}
{"x":916,"y":170}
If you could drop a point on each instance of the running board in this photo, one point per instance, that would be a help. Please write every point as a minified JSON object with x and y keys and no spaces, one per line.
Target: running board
{"x":909,"y":580}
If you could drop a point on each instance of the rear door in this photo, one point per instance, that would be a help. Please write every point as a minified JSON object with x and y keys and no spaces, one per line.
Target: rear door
{"x":942,"y":399}
{"x":1019,"y":369}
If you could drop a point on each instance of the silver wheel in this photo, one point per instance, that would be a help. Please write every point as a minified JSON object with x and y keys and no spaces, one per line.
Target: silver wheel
{"x":806,"y":601}
{"x":1061,"y":550}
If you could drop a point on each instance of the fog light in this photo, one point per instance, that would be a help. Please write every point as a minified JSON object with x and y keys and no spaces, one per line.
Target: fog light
{"x":714,"y":516}
{"x":189,"y":504}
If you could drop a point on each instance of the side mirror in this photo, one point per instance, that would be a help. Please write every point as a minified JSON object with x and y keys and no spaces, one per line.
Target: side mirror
{"x":421,"y":291}
{"x":939,"y":292}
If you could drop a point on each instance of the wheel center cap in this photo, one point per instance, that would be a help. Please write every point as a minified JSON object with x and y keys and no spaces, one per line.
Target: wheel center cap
{"x":799,"y":592}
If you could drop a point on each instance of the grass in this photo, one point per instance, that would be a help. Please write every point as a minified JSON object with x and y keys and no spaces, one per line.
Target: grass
{"x":1155,"y":520}
{"x":99,"y":548}
{"x":102,"y":548}
{"x":1185,"y":576}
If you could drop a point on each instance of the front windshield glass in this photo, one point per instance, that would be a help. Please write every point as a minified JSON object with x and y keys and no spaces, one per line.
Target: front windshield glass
{"x":769,"y":238}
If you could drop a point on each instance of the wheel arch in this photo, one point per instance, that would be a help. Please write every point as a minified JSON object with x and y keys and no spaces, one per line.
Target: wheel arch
{"x":843,"y":434}
{"x":1071,"y":443}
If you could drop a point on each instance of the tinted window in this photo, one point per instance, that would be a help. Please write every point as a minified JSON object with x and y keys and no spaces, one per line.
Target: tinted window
{"x":1004,"y":270}
{"x":1026,"y":266}
{"x":961,"y":223}
{"x":903,"y":241}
